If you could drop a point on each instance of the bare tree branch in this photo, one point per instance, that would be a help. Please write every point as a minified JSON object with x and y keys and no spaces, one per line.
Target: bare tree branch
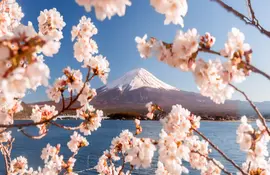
{"x":33,"y":137}
{"x":214,"y":161}
{"x":254,"y":23}
{"x":219,"y":151}
{"x":254,"y":107}
{"x":65,"y":127}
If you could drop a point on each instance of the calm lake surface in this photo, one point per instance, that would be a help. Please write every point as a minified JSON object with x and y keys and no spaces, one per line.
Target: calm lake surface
{"x":221,"y":133}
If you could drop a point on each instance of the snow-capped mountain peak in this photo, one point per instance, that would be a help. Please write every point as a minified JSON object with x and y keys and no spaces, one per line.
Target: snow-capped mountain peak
{"x":136,"y":79}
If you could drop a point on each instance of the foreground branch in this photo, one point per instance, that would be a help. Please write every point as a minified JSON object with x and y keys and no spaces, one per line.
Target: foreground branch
{"x":213,"y":160}
{"x":220,"y":152}
{"x":253,"y":22}
{"x":64,"y":127}
{"x":254,"y":107}
{"x":88,"y":78}
{"x":249,"y":66}
{"x":33,"y":137}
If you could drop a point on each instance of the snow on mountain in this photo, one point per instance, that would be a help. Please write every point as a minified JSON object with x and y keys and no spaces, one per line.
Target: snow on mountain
{"x":136,"y":79}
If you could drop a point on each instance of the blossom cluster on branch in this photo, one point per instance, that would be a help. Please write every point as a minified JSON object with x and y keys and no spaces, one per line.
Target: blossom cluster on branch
{"x":213,"y":76}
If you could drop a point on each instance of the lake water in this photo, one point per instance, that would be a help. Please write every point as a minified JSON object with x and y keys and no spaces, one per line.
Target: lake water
{"x":221,"y":133}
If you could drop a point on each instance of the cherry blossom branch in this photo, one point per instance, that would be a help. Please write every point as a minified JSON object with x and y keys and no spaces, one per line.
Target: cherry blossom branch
{"x":123,"y":164}
{"x":213,"y":160}
{"x":63,"y":100}
{"x":4,"y":153}
{"x":251,"y":11}
{"x":88,"y":78}
{"x":254,"y":107}
{"x":65,"y":127}
{"x":220,"y":152}
{"x":253,"y":22}
{"x":249,"y":66}
{"x":33,"y":137}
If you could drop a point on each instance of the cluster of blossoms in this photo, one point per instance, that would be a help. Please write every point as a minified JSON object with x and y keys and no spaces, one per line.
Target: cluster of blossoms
{"x":71,"y":80}
{"x":21,"y":62}
{"x":177,"y":143}
{"x":40,"y":114}
{"x":105,"y":8}
{"x":85,"y":48}
{"x":8,"y":109}
{"x":10,"y":16}
{"x":212,"y":77}
{"x":92,"y":119}
{"x":151,"y":107}
{"x":77,"y":141}
{"x":254,"y":143}
{"x":51,"y":24}
{"x":138,"y":152}
{"x":53,"y":162}
{"x":174,"y":10}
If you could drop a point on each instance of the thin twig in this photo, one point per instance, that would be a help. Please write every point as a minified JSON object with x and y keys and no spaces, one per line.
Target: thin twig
{"x":254,"y":107}
{"x":33,"y":137}
{"x":254,"y":23}
{"x":214,"y":161}
{"x":251,"y":11}
{"x":4,"y":153}
{"x":65,"y":127}
{"x":63,"y":100}
{"x":220,"y":152}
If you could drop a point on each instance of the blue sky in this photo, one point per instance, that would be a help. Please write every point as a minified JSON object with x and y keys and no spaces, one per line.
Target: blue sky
{"x":116,"y":40}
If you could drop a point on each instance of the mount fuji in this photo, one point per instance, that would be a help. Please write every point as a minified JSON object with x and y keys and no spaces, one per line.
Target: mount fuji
{"x":138,"y":78}
{"x":137,"y":87}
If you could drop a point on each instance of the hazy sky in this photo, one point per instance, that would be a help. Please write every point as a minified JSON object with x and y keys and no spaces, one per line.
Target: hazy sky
{"x":116,"y":40}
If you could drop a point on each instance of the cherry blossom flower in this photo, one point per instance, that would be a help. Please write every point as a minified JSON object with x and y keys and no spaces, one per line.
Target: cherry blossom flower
{"x":141,"y":153}
{"x":171,"y":152}
{"x":85,"y":29}
{"x":54,"y":92}
{"x":10,"y":17}
{"x":174,"y":10}
{"x":121,"y":144}
{"x":85,"y":46}
{"x":19,"y":165}
{"x":74,"y":79}
{"x":177,"y":120}
{"x":77,"y":141}
{"x":87,"y":95}
{"x":51,"y":24}
{"x":235,"y":44}
{"x":92,"y":119}
{"x":49,"y":152}
{"x":5,"y":136}
{"x":207,"y":41}
{"x":42,"y":114}
{"x":185,"y":44}
{"x":99,"y":66}
{"x":144,"y":47}
{"x":105,"y":8}
{"x":209,"y":79}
